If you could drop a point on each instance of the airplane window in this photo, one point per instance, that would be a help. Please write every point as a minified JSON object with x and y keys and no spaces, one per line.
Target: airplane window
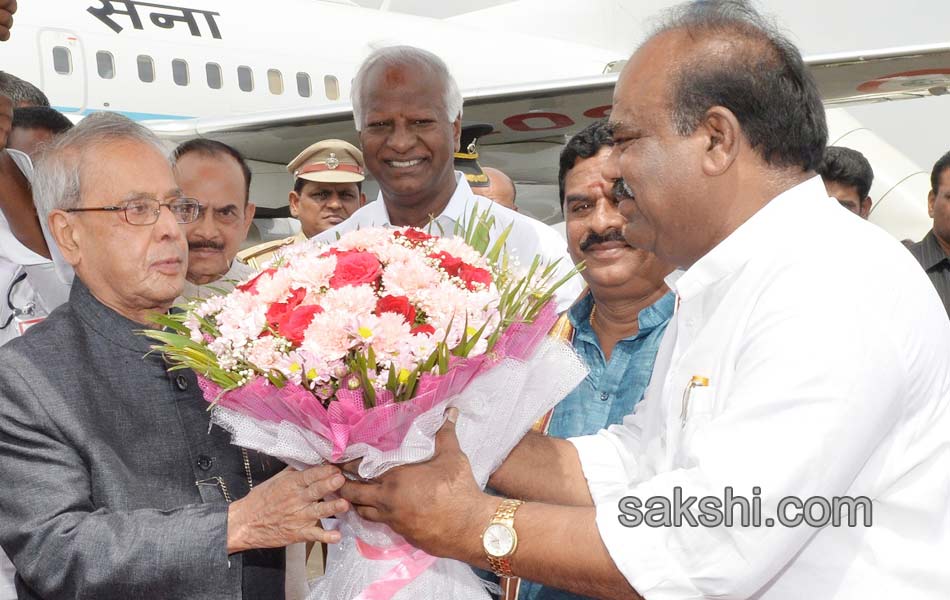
{"x":105,"y":64}
{"x":214,"y":75}
{"x":180,"y":71}
{"x":245,"y":79}
{"x":62,"y":60}
{"x":332,"y":87}
{"x":303,"y":85}
{"x":146,"y":68}
{"x":275,"y":81}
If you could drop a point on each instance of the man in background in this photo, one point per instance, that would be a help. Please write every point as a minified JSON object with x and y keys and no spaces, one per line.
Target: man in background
{"x":501,"y":189}
{"x":408,"y":111}
{"x":22,"y":92}
{"x":847,"y":176}
{"x":217,"y":176}
{"x":933,"y":252}
{"x":617,"y":325}
{"x":328,"y":188}
{"x":487,"y":182}
{"x":34,"y":126}
{"x":31,"y":285}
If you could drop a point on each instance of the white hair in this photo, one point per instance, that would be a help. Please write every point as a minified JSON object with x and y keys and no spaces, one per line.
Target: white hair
{"x":392,"y":56}
{"x":58,"y":174}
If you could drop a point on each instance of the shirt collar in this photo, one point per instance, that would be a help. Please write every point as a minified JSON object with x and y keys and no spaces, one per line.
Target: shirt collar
{"x":454,"y":211}
{"x":931,"y":252}
{"x":779,"y":216}
{"x":649,"y":318}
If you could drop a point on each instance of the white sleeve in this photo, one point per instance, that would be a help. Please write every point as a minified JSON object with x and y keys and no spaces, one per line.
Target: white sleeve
{"x":815,"y":388}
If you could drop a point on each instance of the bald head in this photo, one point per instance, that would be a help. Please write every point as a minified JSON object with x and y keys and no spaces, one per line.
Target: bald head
{"x":731,"y":56}
{"x":713,"y":116}
{"x":501,"y":189}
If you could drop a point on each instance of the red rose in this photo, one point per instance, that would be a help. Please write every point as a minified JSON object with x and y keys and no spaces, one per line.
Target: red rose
{"x":472,"y":276}
{"x":294,"y":323}
{"x":251,"y":286}
{"x":415,"y":236}
{"x":355,"y":268}
{"x":278,"y":310}
{"x":397,"y":304}
{"x":448,"y":262}
{"x":423,"y":329}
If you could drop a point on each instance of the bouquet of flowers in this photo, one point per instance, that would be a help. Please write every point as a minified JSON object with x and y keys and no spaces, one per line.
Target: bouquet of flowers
{"x":356,"y":349}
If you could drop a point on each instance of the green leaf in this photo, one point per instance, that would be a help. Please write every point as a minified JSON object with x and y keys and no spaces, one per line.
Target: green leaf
{"x":499,"y":245}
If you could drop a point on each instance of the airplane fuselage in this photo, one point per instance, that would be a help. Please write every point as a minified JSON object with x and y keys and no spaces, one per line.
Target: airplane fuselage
{"x":194,"y":58}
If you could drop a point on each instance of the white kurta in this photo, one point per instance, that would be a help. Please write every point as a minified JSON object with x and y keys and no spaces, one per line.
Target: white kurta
{"x":529,"y":237}
{"x":828,"y":358}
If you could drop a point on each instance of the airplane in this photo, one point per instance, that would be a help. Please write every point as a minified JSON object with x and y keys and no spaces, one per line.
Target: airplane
{"x":271,"y":81}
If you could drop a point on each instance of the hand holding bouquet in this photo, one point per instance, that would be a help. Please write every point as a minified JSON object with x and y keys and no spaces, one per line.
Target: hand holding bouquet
{"x":355,"y":350}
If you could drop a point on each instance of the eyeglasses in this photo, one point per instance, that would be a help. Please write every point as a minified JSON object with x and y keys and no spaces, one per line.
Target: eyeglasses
{"x":146,"y":211}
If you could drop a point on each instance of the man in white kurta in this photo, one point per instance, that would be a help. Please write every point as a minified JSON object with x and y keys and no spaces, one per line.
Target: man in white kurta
{"x":807,"y":395}
{"x":408,"y":111}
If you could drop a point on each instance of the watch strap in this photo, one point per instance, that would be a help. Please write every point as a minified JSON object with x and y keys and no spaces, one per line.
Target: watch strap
{"x":504,"y":514}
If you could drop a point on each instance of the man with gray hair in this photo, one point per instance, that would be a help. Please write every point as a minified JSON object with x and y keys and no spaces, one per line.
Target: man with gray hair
{"x":773,"y":392}
{"x":408,"y":111}
{"x":115,"y":485}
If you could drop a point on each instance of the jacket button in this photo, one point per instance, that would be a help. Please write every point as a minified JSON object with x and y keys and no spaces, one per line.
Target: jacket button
{"x":205,"y":462}
{"x":604,"y":396}
{"x":181,"y":382}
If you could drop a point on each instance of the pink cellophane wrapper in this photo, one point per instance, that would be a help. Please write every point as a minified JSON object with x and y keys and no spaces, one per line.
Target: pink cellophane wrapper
{"x":499,"y":397}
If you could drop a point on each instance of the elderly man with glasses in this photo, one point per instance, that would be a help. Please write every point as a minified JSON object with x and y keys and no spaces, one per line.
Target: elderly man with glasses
{"x":115,"y":485}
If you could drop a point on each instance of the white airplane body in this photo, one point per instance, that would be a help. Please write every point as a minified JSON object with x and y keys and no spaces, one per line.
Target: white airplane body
{"x":186,"y":58}
{"x":272,"y":79}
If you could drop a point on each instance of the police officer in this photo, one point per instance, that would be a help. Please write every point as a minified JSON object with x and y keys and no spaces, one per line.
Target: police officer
{"x":328,"y":180}
{"x":466,"y":159}
{"x":484,"y":181}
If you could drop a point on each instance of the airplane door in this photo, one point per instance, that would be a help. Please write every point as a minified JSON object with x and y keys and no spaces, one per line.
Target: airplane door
{"x":63,"y":69}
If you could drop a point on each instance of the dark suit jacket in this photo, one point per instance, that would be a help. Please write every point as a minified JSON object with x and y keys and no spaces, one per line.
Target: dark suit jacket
{"x":108,"y":467}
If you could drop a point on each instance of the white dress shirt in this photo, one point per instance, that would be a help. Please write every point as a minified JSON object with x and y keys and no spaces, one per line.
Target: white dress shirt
{"x":827,"y":352}
{"x":529,"y":237}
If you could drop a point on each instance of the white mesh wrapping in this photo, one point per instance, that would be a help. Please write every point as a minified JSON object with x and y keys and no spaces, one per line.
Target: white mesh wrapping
{"x":495,"y":411}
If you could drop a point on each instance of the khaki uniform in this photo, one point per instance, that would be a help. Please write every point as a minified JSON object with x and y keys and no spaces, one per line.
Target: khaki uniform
{"x":331,"y":161}
{"x":258,"y":256}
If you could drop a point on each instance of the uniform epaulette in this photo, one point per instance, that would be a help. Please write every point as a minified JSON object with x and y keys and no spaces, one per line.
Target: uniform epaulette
{"x":264,"y":248}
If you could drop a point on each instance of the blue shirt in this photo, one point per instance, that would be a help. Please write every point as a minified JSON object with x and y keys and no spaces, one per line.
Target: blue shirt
{"x":608,"y":393}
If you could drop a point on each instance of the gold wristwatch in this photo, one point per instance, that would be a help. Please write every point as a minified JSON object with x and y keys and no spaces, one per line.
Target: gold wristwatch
{"x":500,"y":539}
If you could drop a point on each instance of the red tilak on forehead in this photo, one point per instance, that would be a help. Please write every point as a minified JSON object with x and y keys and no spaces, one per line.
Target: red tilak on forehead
{"x":394,"y":76}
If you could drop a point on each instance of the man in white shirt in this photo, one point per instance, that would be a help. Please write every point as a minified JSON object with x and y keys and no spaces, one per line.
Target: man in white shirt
{"x":217,"y":176}
{"x":30,"y":287}
{"x":408,"y":111}
{"x":770,"y":384}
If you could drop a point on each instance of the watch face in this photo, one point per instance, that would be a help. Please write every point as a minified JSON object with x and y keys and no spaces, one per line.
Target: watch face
{"x":498,"y":540}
